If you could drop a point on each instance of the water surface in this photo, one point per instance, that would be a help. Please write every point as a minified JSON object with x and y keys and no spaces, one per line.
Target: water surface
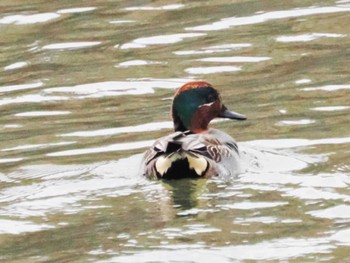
{"x":85,"y":88}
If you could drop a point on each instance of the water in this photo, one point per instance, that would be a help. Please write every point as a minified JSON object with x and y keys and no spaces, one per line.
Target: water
{"x":85,"y":88}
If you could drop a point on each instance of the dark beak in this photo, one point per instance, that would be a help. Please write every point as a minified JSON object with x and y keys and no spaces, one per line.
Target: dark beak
{"x":225,"y":113}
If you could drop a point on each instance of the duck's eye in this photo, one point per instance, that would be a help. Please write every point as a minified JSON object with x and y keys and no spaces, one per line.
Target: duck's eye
{"x":211,"y":98}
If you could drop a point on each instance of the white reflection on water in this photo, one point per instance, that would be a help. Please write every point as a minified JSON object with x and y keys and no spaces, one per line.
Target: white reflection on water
{"x":342,"y":236}
{"x":252,"y":205}
{"x":5,"y":178}
{"x":159,"y":40}
{"x":302,"y":81}
{"x":328,"y":88}
{"x":265,"y":220}
{"x":76,"y":10}
{"x":307,"y":37}
{"x":226,"y":23}
{"x":72,"y":45}
{"x":121,"y":21}
{"x":234,"y":59}
{"x":312,"y":193}
{"x":293,"y":143}
{"x":16,"y":65}
{"x":21,"y":87}
{"x":339,"y":211}
{"x":116,"y":88}
{"x":41,"y":113}
{"x":155,"y":8}
{"x":266,"y":167}
{"x":32,"y":98}
{"x":188,"y":230}
{"x":196,"y":211}
{"x":118,"y":22}
{"x":106,"y":148}
{"x":270,"y":178}
{"x":10,"y":160}
{"x":153,"y":126}
{"x":61,"y":188}
{"x":139,"y":63}
{"x":28,"y":19}
{"x":295,"y":122}
{"x":213,"y":49}
{"x":18,"y":226}
{"x":13,"y":126}
{"x":276,"y":249}
{"x":330,"y":108}
{"x":211,"y":70}
{"x":35,"y":146}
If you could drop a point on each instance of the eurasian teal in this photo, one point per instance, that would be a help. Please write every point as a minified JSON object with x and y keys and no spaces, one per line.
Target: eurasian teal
{"x":194,"y":150}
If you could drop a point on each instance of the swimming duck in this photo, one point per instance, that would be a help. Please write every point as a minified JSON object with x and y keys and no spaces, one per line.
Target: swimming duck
{"x":194,"y":150}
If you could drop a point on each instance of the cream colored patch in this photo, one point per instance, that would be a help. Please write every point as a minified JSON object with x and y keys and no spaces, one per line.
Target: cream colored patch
{"x":164,"y":163}
{"x":199,"y":164}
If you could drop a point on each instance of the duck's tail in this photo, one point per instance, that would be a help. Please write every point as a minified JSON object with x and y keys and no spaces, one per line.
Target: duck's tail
{"x":178,"y":163}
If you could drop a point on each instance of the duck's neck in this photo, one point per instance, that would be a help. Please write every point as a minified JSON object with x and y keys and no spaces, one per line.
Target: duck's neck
{"x":197,"y":125}
{"x":178,"y":124}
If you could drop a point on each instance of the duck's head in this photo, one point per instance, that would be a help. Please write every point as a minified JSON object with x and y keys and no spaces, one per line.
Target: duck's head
{"x":195,"y":104}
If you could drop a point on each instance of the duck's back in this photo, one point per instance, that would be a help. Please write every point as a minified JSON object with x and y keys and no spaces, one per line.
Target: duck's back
{"x":185,"y":154}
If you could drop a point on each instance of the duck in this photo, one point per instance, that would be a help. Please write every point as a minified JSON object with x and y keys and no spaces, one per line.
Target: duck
{"x":194,"y":150}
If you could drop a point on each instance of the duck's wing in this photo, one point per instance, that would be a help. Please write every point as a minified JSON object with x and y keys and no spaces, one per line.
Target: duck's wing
{"x":208,"y":153}
{"x":214,"y":144}
{"x":162,"y":146}
{"x":209,"y":144}
{"x":223,"y":150}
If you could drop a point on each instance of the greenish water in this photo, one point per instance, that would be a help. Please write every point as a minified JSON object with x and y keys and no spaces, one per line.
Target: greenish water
{"x":85,"y":88}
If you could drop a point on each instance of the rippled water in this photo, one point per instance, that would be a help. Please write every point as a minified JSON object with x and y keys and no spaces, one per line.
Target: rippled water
{"x":86,"y":87}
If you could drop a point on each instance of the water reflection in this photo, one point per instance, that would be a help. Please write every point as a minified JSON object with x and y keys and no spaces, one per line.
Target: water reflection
{"x":139,"y":63}
{"x":213,"y":49}
{"x":281,"y":249}
{"x":328,"y":88}
{"x":264,"y":17}
{"x":16,"y":65}
{"x":19,"y":227}
{"x":121,"y":21}
{"x":9,"y":160}
{"x":234,"y":59}
{"x":153,"y":8}
{"x":184,"y":193}
{"x":154,"y":126}
{"x":32,"y":98}
{"x":86,"y":89}
{"x":336,"y":212}
{"x":107,"y":148}
{"x":331,"y":108}
{"x":307,"y":37}
{"x":118,"y":88}
{"x":212,"y":70}
{"x":12,"y":88}
{"x":71,"y":45}
{"x":28,"y":19}
{"x":302,"y":81}
{"x":41,"y":113}
{"x":159,"y":40}
{"x":295,"y":122}
{"x":76,"y":10}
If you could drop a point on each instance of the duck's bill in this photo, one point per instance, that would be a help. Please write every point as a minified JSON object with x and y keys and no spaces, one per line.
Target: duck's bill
{"x":225,"y":113}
